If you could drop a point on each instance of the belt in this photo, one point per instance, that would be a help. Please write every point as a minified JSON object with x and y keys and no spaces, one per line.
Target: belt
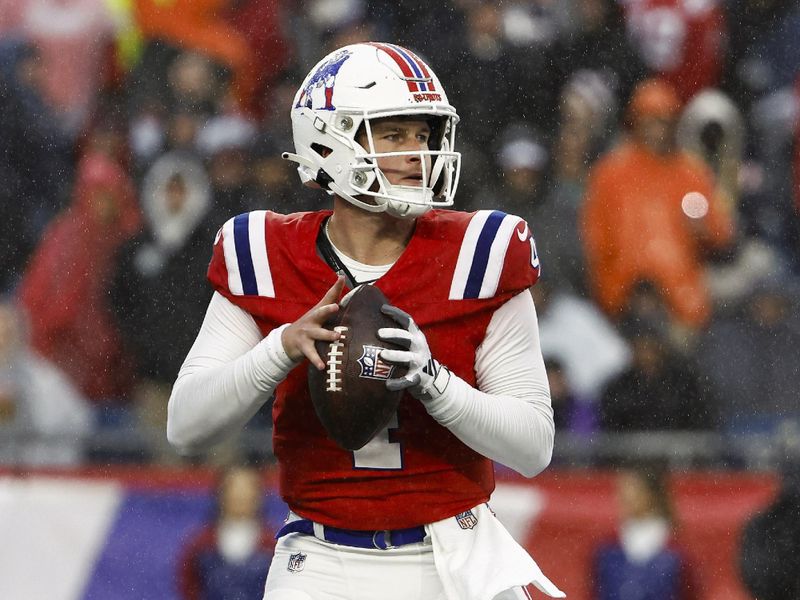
{"x":380,"y":539}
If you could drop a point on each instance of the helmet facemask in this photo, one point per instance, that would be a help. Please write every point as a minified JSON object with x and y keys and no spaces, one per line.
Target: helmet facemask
{"x":369,"y":188}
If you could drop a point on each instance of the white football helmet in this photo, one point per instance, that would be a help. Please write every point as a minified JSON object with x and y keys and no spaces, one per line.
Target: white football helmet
{"x":337,"y":100}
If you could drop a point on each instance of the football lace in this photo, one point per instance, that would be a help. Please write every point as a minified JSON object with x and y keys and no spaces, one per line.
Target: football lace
{"x":334,"y":364}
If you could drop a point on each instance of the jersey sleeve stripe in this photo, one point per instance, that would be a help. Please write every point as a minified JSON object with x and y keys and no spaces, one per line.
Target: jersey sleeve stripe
{"x":483,"y":254}
{"x":497,"y":256}
{"x":483,"y":250}
{"x":244,"y":244}
{"x":231,"y":261}
{"x":247,"y":274}
{"x":466,"y":254}
{"x":258,"y":252}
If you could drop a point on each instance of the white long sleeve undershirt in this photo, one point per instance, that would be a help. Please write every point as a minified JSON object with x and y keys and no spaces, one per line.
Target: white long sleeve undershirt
{"x":230,"y":372}
{"x":508,"y":418}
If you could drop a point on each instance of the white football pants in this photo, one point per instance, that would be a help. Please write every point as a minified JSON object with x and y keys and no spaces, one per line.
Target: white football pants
{"x":307,"y":568}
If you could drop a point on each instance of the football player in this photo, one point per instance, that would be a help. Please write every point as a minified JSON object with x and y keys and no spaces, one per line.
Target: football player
{"x":405,"y":517}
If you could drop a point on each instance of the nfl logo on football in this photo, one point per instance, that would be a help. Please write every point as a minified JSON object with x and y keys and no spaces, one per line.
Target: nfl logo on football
{"x":297,"y":562}
{"x":372,"y":366}
{"x":466,"y":520}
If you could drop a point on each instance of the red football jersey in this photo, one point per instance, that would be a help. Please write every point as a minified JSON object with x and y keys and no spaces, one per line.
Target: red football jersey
{"x":457,"y":269}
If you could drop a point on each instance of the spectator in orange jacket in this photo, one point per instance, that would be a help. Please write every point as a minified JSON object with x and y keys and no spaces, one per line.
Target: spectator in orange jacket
{"x":244,"y":36}
{"x":651,"y":214}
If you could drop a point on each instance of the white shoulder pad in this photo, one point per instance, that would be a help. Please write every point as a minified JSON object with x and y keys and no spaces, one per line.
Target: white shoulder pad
{"x":245,"y":246}
{"x":482,"y":255}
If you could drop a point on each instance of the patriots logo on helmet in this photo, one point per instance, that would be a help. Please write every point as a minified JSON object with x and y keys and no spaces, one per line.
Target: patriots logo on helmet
{"x":372,"y":366}
{"x":318,"y":91}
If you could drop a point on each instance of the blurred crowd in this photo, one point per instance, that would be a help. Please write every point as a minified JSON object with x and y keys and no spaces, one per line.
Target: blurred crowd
{"x":652,"y":145}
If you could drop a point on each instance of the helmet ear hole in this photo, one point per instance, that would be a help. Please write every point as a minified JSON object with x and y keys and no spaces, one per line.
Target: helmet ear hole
{"x":360,"y":136}
{"x":323,"y":151}
{"x":438,"y":127}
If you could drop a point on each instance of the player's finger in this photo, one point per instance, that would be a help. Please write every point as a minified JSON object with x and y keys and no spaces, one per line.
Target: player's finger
{"x":400,"y":337}
{"x":334,"y":293}
{"x":310,"y":352}
{"x":396,"y":357}
{"x":322,"y":334}
{"x":321,"y":313}
{"x":401,"y":317}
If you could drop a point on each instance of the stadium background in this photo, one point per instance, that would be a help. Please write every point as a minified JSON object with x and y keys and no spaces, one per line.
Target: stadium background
{"x":117,"y":533}
{"x":93,"y":504}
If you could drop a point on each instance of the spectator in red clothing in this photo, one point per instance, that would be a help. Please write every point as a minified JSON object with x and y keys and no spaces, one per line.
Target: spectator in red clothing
{"x":75,"y":39}
{"x":229,"y":558}
{"x":651,"y":214}
{"x":683,"y":42}
{"x":65,"y":287}
{"x":261,"y":22}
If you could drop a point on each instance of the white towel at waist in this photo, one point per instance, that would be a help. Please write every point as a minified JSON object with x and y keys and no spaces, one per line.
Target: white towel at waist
{"x":476,"y":558}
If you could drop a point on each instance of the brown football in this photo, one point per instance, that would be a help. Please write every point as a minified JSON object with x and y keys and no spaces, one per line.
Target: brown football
{"x":350,"y":395}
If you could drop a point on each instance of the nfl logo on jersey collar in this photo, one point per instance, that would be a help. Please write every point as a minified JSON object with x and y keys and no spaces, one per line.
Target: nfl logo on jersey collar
{"x":297,"y":562}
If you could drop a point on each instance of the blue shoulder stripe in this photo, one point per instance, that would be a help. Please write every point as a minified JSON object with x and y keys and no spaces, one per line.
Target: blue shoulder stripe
{"x":482,"y":255}
{"x":241,"y":234}
{"x":480,"y":259}
{"x":246,"y":259}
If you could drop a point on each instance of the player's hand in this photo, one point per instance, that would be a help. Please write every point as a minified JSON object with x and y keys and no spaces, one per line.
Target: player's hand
{"x":298,"y":338}
{"x":426,"y":378}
